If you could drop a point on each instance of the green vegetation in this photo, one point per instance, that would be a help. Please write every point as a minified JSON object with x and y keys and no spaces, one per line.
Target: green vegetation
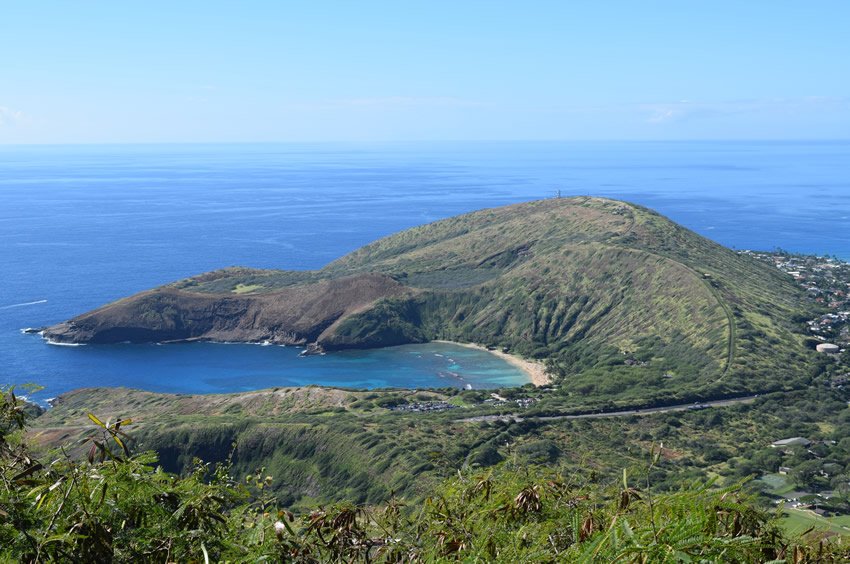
{"x":799,"y":521}
{"x":826,"y":281}
{"x":325,"y":445}
{"x":227,"y":280}
{"x":626,"y":309}
{"x":117,"y":506}
{"x":246,"y":288}
{"x":620,"y":303}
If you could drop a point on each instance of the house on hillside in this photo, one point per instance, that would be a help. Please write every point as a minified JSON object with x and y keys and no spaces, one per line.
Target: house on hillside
{"x":793,"y":441}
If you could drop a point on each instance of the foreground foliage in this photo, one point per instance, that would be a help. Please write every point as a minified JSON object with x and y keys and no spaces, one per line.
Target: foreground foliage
{"x":115,"y":506}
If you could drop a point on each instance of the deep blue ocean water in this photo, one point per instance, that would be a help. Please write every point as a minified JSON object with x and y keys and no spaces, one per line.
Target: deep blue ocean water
{"x":84,"y":225}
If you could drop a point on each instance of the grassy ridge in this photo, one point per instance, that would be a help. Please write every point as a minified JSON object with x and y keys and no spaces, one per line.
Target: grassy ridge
{"x":619,"y":301}
{"x":611,"y":295}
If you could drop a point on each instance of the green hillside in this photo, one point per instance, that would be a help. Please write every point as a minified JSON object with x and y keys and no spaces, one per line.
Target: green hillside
{"x":442,"y":489}
{"x":616,"y":299}
{"x":590,"y":284}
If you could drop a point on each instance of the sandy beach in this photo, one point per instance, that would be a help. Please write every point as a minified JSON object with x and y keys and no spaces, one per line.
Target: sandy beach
{"x":535,"y":370}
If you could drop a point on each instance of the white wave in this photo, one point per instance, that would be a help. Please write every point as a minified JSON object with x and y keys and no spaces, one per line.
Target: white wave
{"x":24,"y":304}
{"x":58,"y":344}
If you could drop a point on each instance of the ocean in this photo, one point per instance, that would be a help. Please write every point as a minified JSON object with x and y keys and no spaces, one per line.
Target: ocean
{"x":84,"y":225}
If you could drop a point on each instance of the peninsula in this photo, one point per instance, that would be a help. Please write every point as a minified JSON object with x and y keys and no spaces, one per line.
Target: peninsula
{"x":589,"y":286}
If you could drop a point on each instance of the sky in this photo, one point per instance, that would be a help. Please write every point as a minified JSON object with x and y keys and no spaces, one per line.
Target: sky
{"x":408,"y":70}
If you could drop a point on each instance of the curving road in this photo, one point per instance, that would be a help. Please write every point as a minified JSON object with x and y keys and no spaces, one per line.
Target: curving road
{"x":624,"y":413}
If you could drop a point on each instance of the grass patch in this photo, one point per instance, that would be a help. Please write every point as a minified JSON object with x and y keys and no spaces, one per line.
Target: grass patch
{"x":246,"y":288}
{"x":777,"y":484}
{"x":797,"y":521}
{"x":458,"y":401}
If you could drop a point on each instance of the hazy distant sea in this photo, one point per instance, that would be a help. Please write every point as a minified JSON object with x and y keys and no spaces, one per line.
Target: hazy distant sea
{"x":84,"y":225}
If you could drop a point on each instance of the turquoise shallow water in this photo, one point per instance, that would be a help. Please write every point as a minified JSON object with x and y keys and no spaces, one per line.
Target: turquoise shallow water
{"x":84,"y":225}
{"x":198,"y":368}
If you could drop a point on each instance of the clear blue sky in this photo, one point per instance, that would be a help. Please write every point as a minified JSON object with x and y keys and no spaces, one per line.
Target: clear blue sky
{"x":131,"y":71}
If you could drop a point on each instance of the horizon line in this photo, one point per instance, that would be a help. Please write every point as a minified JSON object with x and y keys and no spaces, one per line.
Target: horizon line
{"x":432,"y":141}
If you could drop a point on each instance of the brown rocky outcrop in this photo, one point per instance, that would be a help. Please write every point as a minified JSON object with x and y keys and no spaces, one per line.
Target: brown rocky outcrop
{"x":296,"y":315}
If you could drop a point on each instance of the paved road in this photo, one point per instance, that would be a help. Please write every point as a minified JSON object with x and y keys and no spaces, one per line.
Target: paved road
{"x":624,"y":413}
